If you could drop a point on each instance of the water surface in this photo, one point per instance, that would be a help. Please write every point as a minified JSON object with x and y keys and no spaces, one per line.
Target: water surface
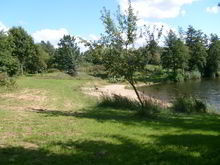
{"x":207,"y":90}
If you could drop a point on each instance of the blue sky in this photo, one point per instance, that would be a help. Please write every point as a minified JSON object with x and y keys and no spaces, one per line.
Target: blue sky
{"x":50,"y":19}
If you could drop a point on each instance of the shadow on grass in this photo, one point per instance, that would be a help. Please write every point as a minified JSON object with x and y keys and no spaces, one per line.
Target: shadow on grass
{"x":181,"y":150}
{"x":202,"y":122}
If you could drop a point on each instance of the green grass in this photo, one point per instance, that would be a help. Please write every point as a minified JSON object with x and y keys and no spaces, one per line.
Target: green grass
{"x":85,"y":133}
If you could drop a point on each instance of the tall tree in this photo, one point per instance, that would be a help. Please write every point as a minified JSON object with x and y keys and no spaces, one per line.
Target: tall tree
{"x":67,"y":55}
{"x":8,"y":63}
{"x":175,"y":55}
{"x":213,"y":59}
{"x":152,"y":48}
{"x":121,"y":58}
{"x":50,"y":50}
{"x":197,"y":43}
{"x":22,"y":44}
{"x":37,"y":62}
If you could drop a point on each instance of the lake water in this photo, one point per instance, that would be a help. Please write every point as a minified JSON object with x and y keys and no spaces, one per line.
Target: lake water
{"x":207,"y":90}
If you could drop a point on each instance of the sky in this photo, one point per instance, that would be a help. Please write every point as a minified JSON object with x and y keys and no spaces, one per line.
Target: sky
{"x":49,"y":20}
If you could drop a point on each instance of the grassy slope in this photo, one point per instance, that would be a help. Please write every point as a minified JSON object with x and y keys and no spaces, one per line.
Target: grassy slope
{"x":86,"y":134}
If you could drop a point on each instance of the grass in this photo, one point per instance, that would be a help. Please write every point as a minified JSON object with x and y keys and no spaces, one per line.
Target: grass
{"x":69,"y":128}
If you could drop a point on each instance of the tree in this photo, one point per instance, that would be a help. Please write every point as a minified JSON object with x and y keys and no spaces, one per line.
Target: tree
{"x":22,"y":45}
{"x":37,"y":62}
{"x":67,"y":55}
{"x":198,"y":58}
{"x":197,"y":43}
{"x":121,"y":59}
{"x":175,"y":55}
{"x":213,"y":59}
{"x":8,"y":63}
{"x":152,"y":49}
{"x":50,"y":50}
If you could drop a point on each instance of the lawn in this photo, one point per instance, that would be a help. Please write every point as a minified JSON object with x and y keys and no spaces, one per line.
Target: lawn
{"x":48,"y":120}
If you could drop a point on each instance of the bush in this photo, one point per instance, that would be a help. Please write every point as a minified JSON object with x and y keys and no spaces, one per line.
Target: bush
{"x":176,"y":77}
{"x":72,"y":72}
{"x":186,"y":104}
{"x":7,"y":81}
{"x":116,"y":79}
{"x":53,"y":70}
{"x":194,"y":75}
{"x":119,"y":102}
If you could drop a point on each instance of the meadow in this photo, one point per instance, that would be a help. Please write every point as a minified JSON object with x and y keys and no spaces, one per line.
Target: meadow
{"x":47,"y":119}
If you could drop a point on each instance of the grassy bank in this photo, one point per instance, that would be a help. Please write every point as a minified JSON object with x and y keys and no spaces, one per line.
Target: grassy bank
{"x":48,"y":120}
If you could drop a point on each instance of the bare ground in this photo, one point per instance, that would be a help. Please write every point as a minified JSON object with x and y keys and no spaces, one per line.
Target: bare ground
{"x":119,"y":89}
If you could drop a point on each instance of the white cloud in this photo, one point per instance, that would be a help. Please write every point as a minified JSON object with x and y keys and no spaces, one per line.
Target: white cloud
{"x":157,"y":8}
{"x":3,"y":27}
{"x":52,"y":35}
{"x":213,"y":10}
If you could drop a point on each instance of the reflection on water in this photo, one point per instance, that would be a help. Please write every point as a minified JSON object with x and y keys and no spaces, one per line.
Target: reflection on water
{"x":207,"y":90}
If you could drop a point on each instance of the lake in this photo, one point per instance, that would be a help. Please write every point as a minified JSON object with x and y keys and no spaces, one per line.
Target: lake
{"x":207,"y":90}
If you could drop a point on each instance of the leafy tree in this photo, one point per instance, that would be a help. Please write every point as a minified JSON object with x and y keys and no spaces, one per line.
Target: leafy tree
{"x":198,"y":58}
{"x":213,"y":59}
{"x":37,"y":62}
{"x":67,"y":55}
{"x":175,"y":55}
{"x":8,"y":63}
{"x":197,"y":43}
{"x":121,"y":59}
{"x":152,"y":48}
{"x":22,"y":45}
{"x":50,"y":50}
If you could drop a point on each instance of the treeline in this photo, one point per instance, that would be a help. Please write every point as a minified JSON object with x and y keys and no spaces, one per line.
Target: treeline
{"x":19,"y":54}
{"x":183,"y":53}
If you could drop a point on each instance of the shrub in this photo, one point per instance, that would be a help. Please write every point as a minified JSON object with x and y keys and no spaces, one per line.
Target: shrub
{"x":119,"y":102}
{"x":115,"y":79}
{"x":72,"y":72}
{"x":6,"y":81}
{"x":194,"y":75}
{"x":53,"y":70}
{"x":186,"y":104}
{"x":176,"y":77}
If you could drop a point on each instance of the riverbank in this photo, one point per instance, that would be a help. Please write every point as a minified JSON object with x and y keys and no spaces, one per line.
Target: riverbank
{"x":123,"y":90}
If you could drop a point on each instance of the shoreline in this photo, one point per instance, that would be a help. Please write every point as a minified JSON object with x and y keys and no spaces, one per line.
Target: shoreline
{"x":122,"y":90}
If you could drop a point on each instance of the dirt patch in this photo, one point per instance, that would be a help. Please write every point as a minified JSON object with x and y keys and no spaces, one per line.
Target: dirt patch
{"x":27,"y":95}
{"x":29,"y":145}
{"x":118,"y":89}
{"x":25,"y":99}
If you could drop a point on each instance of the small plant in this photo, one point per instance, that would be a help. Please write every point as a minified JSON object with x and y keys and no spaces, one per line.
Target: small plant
{"x":117,"y":101}
{"x":53,"y":70}
{"x":116,"y":79}
{"x":150,"y":108}
{"x":6,"y":81}
{"x":186,"y":104}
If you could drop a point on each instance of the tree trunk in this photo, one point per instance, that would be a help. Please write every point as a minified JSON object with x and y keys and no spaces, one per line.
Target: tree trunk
{"x":138,"y":96}
{"x":22,"y":69}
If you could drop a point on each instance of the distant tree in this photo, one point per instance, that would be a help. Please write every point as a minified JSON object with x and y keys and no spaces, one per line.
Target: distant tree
{"x":50,"y":50}
{"x":8,"y":63}
{"x":213,"y":59}
{"x":197,"y":43}
{"x":152,"y":48}
{"x":121,"y":58}
{"x":22,"y":45}
{"x":198,"y":58}
{"x":175,"y":55}
{"x":67,"y":55}
{"x":37,"y":62}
